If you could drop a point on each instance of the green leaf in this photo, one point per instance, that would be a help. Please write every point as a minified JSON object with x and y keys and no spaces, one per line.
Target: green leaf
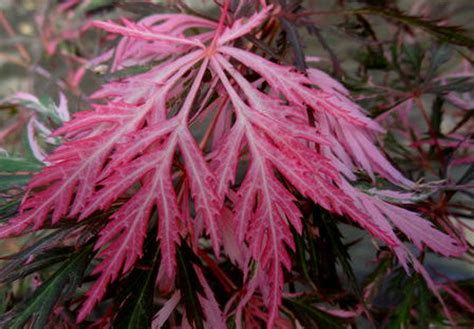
{"x":415,"y":295}
{"x":8,"y":208}
{"x":313,"y":253}
{"x":10,"y":181}
{"x":413,"y":55}
{"x":438,"y":56}
{"x":188,"y":283}
{"x":4,"y":299}
{"x":310,"y":316}
{"x":44,"y":107}
{"x":129,"y":71}
{"x":468,"y":176}
{"x":40,"y":262}
{"x":423,"y":304}
{"x":16,"y":262}
{"x":451,"y":34}
{"x":459,"y":85}
{"x":373,"y":58}
{"x":377,"y":276}
{"x":29,"y":155}
{"x":14,"y":164}
{"x":136,"y":301}
{"x":340,"y":251}
{"x":437,"y":115}
{"x":94,"y":5}
{"x":48,"y":103}
{"x":300,"y":254}
{"x":392,"y":143}
{"x":402,"y":312}
{"x":39,"y":306}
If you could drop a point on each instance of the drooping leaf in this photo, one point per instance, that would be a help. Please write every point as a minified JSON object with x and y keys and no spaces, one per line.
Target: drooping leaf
{"x":188,"y":284}
{"x":10,"y":181}
{"x":35,"y":263}
{"x":136,"y":305}
{"x":38,"y":307}
{"x":13,"y":164}
{"x":310,"y":315}
{"x":162,"y":316}
{"x":342,"y":255}
{"x":8,"y":208}
{"x":451,"y":34}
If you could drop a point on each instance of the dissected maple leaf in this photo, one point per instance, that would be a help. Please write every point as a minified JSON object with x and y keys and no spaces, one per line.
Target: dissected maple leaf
{"x":169,"y":143}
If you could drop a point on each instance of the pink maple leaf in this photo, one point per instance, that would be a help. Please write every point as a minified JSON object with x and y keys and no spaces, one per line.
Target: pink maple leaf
{"x":144,"y":146}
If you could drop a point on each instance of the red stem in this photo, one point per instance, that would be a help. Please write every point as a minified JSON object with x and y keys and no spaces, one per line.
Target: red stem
{"x":220,"y":27}
{"x":226,"y":282}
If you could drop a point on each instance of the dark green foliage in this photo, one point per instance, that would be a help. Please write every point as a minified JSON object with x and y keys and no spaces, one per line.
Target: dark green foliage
{"x":310,"y":316}
{"x":9,"y":181}
{"x":39,"y":306}
{"x":451,"y":34}
{"x":16,"y":269}
{"x":12,"y":164}
{"x":135,"y":301}
{"x":188,"y":283}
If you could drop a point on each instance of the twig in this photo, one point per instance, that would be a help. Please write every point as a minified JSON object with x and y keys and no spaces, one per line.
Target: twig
{"x":9,"y":29}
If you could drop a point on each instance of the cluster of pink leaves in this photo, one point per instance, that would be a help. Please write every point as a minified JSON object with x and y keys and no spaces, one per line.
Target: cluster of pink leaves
{"x":139,"y":145}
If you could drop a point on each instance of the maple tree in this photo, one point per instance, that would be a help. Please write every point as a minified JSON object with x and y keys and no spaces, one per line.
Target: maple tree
{"x":217,"y":143}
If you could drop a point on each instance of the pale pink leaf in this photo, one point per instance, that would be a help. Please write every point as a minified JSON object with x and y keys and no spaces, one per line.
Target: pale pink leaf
{"x":164,"y":313}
